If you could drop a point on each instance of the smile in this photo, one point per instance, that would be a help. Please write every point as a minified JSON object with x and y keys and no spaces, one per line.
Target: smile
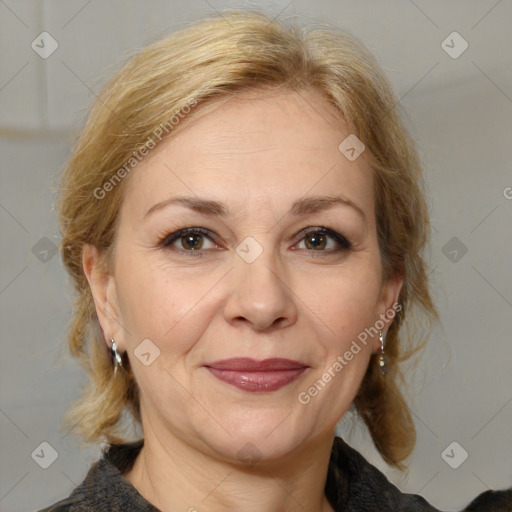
{"x":257,"y":376}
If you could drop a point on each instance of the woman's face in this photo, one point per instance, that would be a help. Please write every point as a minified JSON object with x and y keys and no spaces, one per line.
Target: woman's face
{"x":279,"y":261}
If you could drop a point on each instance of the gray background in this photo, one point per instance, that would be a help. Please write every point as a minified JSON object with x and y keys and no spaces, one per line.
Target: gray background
{"x":460,"y":109}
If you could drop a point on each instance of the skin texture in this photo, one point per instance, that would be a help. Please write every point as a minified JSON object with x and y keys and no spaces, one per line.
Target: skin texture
{"x":256,"y":154}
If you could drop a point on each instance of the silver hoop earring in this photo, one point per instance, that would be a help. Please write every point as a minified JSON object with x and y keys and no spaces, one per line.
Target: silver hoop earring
{"x":116,"y":356}
{"x":382,"y":359}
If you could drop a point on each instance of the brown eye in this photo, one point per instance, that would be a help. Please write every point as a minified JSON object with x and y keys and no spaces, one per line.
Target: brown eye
{"x":192,"y":241}
{"x":324,"y":240}
{"x":315,"y":241}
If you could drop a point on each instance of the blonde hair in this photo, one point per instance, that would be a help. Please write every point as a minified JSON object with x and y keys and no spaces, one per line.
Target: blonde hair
{"x":212,"y":60}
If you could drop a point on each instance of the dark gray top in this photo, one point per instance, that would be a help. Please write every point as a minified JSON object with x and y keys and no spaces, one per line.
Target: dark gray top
{"x":353,"y":485}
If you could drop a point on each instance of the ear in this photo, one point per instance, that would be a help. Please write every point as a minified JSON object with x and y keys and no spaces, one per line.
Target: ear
{"x":388,"y":304}
{"x":103,"y":288}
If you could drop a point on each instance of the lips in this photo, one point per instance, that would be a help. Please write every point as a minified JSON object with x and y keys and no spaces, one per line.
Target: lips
{"x":251,"y":365}
{"x":257,"y":376}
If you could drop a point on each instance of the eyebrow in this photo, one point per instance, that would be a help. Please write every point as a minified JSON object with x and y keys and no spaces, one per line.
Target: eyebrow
{"x":302,"y":206}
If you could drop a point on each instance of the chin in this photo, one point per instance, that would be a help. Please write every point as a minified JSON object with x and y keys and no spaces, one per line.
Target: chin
{"x":258,"y":436}
{"x":253,"y":450}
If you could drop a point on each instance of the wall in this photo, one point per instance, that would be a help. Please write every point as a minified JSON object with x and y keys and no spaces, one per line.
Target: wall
{"x":460,"y":111}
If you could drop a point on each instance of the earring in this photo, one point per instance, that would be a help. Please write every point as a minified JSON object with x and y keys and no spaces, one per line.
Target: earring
{"x":116,"y":356}
{"x":382,"y":359}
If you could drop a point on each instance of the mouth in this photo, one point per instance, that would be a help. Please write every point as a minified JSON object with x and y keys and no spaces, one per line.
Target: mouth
{"x":257,"y":376}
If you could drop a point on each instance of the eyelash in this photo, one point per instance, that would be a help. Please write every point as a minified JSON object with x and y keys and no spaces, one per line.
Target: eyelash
{"x":341,"y":240}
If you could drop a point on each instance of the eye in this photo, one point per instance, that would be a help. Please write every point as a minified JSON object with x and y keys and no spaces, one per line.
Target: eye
{"x":197,"y":240}
{"x":189,"y":239}
{"x":323,"y":240}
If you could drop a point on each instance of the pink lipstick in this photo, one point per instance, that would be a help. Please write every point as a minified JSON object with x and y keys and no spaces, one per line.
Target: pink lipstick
{"x":256,"y":376}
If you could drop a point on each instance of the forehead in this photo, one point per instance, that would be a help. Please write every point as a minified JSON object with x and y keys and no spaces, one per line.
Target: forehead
{"x":259,"y":148}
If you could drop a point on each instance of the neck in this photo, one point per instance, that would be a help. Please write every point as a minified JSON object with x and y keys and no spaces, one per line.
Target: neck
{"x":172,"y":475}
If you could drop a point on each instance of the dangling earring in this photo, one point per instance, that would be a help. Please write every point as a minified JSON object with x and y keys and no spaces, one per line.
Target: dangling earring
{"x":116,"y":356}
{"x":382,"y":359}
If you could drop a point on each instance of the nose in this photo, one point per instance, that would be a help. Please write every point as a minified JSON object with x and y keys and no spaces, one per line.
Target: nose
{"x":259,"y":295}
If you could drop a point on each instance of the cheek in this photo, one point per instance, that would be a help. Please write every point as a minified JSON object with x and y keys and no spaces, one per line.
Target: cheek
{"x":344,"y":312}
{"x":162,"y":304}
{"x":345,"y":303}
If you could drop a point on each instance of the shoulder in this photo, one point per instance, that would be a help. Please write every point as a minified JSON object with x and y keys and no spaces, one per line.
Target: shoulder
{"x":65,"y":505}
{"x":495,"y":501}
{"x":358,"y":485}
{"x":76,"y":502}
{"x":104,"y":489}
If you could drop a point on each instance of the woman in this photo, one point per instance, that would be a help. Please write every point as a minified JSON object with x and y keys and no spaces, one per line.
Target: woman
{"x":244,"y":221}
